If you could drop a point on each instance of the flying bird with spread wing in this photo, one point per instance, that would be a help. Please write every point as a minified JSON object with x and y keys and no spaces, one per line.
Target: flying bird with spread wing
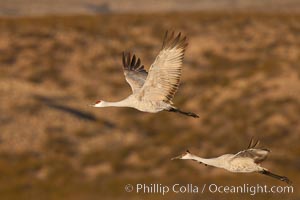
{"x":153,"y":92}
{"x":245,"y":161}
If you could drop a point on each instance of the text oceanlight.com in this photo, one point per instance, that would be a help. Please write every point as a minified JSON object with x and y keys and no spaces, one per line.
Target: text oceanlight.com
{"x":157,"y":188}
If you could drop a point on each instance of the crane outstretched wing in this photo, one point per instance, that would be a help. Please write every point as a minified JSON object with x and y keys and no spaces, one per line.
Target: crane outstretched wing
{"x":164,"y":74}
{"x":258,"y":155}
{"x":134,"y":72}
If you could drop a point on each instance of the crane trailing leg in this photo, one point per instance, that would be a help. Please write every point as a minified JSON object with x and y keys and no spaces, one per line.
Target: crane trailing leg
{"x":176,"y":110}
{"x":282,"y":178}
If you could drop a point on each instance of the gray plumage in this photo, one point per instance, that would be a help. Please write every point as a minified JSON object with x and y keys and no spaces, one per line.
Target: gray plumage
{"x":153,"y":92}
{"x":134,"y":72}
{"x":245,"y":161}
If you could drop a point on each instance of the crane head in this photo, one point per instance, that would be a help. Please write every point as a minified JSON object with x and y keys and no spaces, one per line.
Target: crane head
{"x":98,"y":103}
{"x":185,"y":155}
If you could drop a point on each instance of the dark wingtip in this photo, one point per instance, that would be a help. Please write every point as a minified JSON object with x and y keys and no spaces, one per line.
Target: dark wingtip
{"x":172,"y":40}
{"x":132,"y":63}
{"x":123,"y":59}
{"x":253,"y":143}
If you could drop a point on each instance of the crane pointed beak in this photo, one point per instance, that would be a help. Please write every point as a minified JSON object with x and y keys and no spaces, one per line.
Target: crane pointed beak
{"x":177,"y":157}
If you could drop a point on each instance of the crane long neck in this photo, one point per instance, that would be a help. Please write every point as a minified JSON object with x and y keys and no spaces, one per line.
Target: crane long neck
{"x":122,"y":103}
{"x":208,"y":161}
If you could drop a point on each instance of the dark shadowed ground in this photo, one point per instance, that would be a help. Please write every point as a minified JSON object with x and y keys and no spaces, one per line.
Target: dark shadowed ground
{"x":241,"y":75}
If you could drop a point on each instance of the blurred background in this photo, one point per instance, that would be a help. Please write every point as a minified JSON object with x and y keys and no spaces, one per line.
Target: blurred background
{"x":241,"y":75}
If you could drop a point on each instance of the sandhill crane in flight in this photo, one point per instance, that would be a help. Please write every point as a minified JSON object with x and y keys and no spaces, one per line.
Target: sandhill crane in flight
{"x":154,"y":92}
{"x":245,"y":161}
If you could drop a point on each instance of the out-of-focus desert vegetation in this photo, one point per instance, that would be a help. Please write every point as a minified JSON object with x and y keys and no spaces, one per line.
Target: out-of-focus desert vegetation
{"x":241,"y":75}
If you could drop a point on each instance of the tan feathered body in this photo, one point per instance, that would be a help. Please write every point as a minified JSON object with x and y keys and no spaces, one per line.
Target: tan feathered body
{"x":153,"y":92}
{"x":245,"y":161}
